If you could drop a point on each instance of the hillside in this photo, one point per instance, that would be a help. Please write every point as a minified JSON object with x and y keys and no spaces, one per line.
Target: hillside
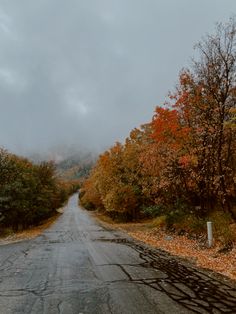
{"x":76,"y":166}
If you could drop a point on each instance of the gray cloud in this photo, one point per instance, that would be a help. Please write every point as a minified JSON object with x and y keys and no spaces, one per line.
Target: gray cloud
{"x":84,"y":72}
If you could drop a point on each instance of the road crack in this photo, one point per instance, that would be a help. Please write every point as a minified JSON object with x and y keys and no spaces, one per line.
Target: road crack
{"x":191,"y":288}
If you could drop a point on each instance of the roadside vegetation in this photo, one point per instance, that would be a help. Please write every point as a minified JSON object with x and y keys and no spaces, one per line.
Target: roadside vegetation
{"x":29,"y":193}
{"x":180,"y":168}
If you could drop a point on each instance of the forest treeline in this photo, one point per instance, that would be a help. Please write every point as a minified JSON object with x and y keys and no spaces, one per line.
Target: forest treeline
{"x":29,"y":193}
{"x":182,"y":164}
{"x":76,"y":166}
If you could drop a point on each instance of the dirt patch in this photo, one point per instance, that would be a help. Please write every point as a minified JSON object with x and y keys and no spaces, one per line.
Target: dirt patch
{"x":194,"y":251}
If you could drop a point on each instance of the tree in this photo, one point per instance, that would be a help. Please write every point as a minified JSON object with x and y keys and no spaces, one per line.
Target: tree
{"x":28,"y":193}
{"x":206,"y":99}
{"x":186,"y":154}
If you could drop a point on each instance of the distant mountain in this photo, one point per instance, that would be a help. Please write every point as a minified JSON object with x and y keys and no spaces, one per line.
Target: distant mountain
{"x":76,"y":166}
{"x":70,"y":163}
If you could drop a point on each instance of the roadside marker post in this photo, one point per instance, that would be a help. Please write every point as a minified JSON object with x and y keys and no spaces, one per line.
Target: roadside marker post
{"x":209,"y":234}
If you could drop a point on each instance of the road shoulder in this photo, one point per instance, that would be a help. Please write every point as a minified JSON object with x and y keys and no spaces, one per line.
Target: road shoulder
{"x":191,"y":250}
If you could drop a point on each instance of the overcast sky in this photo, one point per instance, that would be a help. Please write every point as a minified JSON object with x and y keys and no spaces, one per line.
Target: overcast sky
{"x":85,"y":72}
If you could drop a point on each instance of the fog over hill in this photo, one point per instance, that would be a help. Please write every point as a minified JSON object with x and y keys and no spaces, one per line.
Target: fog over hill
{"x":62,"y":153}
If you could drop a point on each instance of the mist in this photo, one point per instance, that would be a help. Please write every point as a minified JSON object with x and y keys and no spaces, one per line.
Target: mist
{"x":79,"y":75}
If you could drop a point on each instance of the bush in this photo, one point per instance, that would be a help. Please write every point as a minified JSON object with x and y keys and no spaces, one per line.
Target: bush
{"x":176,"y":214}
{"x":153,"y":210}
{"x":185,"y":222}
{"x":222,"y":227}
{"x":159,"y":222}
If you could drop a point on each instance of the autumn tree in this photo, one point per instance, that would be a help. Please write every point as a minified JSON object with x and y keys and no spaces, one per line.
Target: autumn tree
{"x":206,"y":99}
{"x":186,"y":154}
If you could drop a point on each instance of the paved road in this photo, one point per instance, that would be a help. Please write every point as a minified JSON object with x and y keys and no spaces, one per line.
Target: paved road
{"x":77,"y":266}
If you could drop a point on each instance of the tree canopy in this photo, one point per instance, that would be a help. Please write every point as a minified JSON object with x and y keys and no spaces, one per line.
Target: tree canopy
{"x":185,"y":156}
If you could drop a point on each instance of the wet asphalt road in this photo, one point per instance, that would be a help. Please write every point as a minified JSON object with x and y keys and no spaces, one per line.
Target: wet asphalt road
{"x":78,"y":267}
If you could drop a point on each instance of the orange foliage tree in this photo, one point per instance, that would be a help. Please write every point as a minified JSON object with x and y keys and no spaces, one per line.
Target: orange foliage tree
{"x":186,"y":154}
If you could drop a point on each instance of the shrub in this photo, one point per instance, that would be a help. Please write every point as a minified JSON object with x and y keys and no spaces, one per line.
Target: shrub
{"x":159,"y":222}
{"x":153,"y":210}
{"x":222,"y":227}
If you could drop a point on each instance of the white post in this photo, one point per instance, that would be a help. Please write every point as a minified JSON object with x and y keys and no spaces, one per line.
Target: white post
{"x":209,"y":233}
